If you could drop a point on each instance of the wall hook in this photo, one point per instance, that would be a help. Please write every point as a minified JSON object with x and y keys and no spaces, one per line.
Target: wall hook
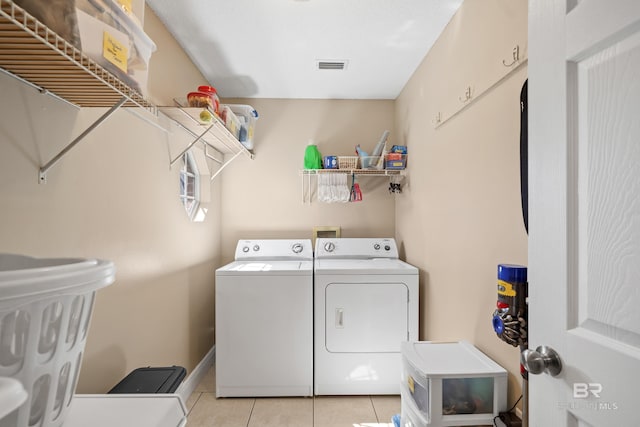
{"x":438,"y":118}
{"x":468,"y":94}
{"x":516,"y":57}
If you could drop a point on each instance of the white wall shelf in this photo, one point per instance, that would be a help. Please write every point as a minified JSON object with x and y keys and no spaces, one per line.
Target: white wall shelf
{"x":395,"y":177}
{"x":38,"y":57}
{"x":211,"y":134}
{"x":35,"y":55}
{"x":369,"y":172}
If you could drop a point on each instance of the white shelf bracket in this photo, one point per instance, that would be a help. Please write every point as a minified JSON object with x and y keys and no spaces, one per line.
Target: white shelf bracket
{"x":42,"y":175}
{"x":191,"y":145}
{"x":225,"y":165}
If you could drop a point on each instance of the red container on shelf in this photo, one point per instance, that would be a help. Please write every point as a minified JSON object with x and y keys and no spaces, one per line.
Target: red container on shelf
{"x":200,"y":99}
{"x":213,"y":93}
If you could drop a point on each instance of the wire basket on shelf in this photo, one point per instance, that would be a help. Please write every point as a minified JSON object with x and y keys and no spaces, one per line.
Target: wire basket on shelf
{"x":347,"y":162}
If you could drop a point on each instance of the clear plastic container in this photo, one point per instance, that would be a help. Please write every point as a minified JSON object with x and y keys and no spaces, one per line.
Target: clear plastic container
{"x":45,"y":309}
{"x":97,"y":17}
{"x":248,"y":117}
{"x":230,"y":120}
{"x":450,"y":384}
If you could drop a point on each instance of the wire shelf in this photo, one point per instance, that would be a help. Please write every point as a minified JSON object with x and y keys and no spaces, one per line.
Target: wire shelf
{"x":37,"y":55}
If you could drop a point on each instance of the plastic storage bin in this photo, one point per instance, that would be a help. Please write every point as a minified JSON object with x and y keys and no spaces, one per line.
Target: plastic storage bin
{"x":151,"y":380}
{"x":248,"y":116}
{"x":231,"y":121}
{"x":116,"y":41}
{"x":410,"y":415}
{"x":45,"y":309}
{"x":395,"y":161}
{"x":371,"y":162}
{"x":450,"y":384}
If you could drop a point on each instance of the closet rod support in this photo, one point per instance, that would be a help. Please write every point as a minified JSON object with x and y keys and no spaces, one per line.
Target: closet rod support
{"x":195,"y":135}
{"x":191,"y":145}
{"x":209,"y":156}
{"x":42,"y":176}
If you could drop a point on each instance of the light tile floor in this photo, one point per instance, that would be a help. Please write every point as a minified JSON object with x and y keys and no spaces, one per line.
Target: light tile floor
{"x":320,"y":411}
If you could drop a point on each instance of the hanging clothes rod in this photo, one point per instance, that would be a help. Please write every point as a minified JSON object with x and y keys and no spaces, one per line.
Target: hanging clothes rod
{"x":143,"y":117}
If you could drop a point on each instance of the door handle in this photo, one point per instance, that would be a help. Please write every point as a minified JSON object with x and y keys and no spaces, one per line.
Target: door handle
{"x":339,"y":318}
{"x":541,"y":360}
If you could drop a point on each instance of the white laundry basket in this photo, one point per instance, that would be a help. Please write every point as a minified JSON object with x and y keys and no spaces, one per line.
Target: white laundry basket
{"x":45,"y":309}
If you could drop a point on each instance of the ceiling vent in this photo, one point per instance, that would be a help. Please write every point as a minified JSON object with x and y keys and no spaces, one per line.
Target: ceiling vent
{"x":331,"y":64}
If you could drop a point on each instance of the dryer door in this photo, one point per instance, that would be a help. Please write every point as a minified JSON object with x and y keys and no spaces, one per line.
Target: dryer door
{"x":366,"y":317}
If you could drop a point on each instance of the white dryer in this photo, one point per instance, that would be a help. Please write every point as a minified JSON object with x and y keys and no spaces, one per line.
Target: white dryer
{"x":264,"y":320}
{"x":366,"y":304}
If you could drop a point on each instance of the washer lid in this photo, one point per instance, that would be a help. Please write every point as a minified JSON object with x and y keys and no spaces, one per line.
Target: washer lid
{"x":266,"y":267}
{"x":377,"y":266}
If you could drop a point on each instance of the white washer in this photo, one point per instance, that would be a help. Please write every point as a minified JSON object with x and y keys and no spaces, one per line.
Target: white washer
{"x":264,"y":320}
{"x":366,"y":304}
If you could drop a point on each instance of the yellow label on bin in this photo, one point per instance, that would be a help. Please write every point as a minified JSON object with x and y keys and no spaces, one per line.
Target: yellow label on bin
{"x":114,"y":51}
{"x":126,"y":5}
{"x":412,"y":386}
{"x":506,"y":289}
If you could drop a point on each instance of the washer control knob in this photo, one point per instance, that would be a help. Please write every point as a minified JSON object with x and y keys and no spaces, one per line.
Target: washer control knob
{"x":256,"y":248}
{"x":376,"y":246}
{"x":329,"y":246}
{"x":387,"y":247}
{"x":296,"y":248}
{"x":245,"y":249}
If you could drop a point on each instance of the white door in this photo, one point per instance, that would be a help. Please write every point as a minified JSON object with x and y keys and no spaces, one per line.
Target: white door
{"x":584,"y":210}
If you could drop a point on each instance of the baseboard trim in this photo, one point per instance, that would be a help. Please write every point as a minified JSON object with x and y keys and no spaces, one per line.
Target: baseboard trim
{"x":196,"y":376}
{"x":519,"y":413}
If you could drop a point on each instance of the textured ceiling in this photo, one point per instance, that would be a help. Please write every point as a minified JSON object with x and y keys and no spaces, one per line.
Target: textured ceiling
{"x":270,"y":48}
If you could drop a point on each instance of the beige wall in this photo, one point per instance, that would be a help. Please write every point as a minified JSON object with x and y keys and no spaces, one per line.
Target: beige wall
{"x":262,"y":198}
{"x":460,"y":214}
{"x":114,"y":196}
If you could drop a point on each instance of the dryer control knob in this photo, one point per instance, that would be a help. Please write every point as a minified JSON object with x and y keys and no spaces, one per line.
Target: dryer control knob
{"x":245,"y":249}
{"x":296,"y":248}
{"x":329,"y":246}
{"x":387,"y":247}
{"x":256,"y":248}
